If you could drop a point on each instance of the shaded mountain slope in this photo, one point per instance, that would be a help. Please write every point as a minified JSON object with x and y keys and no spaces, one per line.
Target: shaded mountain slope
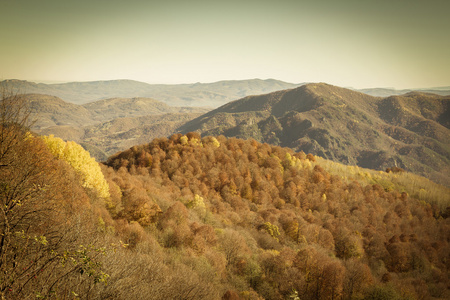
{"x":303,"y":99}
{"x":410,"y":131}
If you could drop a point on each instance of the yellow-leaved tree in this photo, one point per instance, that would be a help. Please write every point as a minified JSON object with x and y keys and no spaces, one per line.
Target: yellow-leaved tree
{"x":80,"y":159}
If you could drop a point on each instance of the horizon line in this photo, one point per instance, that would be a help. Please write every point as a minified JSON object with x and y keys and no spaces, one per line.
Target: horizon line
{"x":55,"y":82}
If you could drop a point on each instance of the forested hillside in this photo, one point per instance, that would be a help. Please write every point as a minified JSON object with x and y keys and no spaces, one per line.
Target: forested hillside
{"x":50,"y":196}
{"x":261,"y":221}
{"x":187,"y":217}
{"x":409,"y":131}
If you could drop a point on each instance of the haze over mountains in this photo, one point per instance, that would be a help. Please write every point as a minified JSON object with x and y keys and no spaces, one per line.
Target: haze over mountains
{"x":385,"y":92}
{"x":409,"y":131}
{"x":197,"y":94}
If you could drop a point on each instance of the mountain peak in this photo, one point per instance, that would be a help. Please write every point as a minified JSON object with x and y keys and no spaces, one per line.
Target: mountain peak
{"x":342,"y":125}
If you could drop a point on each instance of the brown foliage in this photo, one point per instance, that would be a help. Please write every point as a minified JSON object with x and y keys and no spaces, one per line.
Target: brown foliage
{"x":46,"y":220}
{"x":395,"y":170}
{"x":344,"y":230}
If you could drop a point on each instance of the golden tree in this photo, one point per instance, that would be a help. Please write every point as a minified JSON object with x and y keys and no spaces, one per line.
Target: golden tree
{"x":41,"y":225}
{"x":81,"y":161}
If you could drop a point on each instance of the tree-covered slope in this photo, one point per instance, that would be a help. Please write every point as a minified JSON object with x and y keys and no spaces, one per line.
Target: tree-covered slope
{"x":258,"y":221}
{"x":187,"y":217}
{"x":211,"y":218}
{"x":409,"y":131}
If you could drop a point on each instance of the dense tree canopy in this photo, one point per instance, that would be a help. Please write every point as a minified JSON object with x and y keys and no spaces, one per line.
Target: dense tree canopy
{"x":280,"y":222}
{"x":187,"y":217}
{"x":48,"y":244}
{"x":81,"y":161}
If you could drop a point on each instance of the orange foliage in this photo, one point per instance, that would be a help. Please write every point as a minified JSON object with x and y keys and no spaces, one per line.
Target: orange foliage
{"x":335,"y":238}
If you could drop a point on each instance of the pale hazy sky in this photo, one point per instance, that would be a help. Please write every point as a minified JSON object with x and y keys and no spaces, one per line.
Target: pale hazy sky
{"x":352,"y":43}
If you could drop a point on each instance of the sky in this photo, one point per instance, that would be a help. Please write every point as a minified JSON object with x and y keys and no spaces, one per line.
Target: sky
{"x":349,"y":43}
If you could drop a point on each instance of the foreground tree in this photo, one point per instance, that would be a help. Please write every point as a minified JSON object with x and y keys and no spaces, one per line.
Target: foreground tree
{"x":46,"y":247}
{"x":14,"y":119}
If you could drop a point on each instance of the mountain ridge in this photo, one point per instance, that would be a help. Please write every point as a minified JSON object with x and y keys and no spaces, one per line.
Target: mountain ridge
{"x":212,"y":94}
{"x":195,"y":94}
{"x":343,"y":125}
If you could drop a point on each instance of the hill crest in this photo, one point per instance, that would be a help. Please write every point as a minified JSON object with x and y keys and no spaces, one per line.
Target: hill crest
{"x":409,"y":130}
{"x":198,"y":94}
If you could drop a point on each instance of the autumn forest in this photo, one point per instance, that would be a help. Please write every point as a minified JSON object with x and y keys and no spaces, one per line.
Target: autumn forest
{"x":210,"y":217}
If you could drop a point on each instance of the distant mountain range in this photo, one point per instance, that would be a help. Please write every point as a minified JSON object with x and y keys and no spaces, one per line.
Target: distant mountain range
{"x":410,"y":131}
{"x":386,"y":92}
{"x":198,"y":94}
